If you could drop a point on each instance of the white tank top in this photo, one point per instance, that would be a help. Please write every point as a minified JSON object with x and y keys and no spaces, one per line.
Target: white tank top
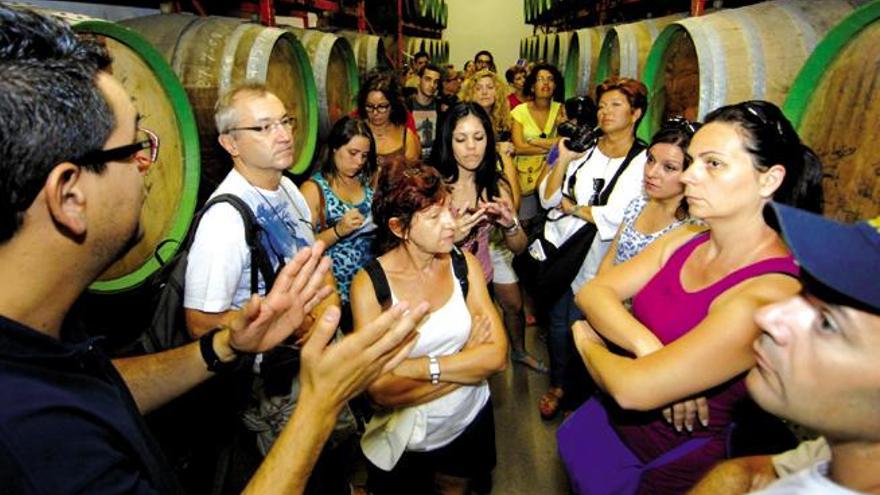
{"x":443,"y":333}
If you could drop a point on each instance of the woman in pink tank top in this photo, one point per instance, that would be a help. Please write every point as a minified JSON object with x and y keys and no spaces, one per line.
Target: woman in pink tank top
{"x":694,"y":295}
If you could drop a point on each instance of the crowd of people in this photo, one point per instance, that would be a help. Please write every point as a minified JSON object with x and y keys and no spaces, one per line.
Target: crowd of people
{"x":683,"y":282}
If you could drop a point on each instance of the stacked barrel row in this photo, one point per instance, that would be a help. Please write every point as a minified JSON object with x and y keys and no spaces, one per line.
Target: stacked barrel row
{"x":429,"y":13}
{"x":692,"y":65}
{"x":176,"y":66}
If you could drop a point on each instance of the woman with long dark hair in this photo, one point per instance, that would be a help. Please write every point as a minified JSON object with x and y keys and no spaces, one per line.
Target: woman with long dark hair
{"x":482,"y":198}
{"x":695,"y":292}
{"x":339,"y":195}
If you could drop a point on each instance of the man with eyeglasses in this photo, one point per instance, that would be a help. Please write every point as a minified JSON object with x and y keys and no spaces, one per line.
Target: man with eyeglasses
{"x":817,"y":366}
{"x":71,"y":170}
{"x":258,"y":134}
{"x":424,"y":108}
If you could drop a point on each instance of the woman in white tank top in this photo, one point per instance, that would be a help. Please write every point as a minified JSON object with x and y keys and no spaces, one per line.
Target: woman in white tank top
{"x":449,"y":440}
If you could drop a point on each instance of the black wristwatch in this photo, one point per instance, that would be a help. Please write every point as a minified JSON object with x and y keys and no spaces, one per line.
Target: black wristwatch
{"x":206,"y":345}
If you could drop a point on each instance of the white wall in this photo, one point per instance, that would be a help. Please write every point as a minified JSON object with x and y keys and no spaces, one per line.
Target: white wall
{"x":494,"y":25}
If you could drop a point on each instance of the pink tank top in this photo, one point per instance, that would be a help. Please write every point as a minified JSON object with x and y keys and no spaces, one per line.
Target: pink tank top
{"x":665,"y":307}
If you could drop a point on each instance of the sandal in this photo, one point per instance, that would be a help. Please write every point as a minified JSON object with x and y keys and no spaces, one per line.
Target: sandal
{"x":549,"y":403}
{"x":526,"y":359}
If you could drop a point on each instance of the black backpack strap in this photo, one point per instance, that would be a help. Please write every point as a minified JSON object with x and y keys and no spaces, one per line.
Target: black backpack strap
{"x":383,"y":290}
{"x":259,"y":258}
{"x":636,"y":148}
{"x":380,"y":283}
{"x":460,"y":269}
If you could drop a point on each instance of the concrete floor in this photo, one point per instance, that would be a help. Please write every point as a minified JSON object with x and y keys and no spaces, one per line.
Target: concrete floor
{"x":527,"y":460}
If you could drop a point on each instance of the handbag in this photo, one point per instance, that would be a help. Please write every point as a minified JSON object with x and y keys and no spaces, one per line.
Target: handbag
{"x":550,"y":268}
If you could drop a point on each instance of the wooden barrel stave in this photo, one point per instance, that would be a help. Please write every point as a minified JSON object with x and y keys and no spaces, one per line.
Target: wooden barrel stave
{"x":336,"y":74}
{"x":625,"y":47}
{"x":583,"y":59}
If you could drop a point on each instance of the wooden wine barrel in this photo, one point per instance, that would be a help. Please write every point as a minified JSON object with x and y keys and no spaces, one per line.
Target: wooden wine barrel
{"x":754,"y":52}
{"x":582,"y":60}
{"x":211,"y":55}
{"x":625,"y":47}
{"x":336,"y":75}
{"x":172,"y":184}
{"x":835,"y":105}
{"x":369,"y":50}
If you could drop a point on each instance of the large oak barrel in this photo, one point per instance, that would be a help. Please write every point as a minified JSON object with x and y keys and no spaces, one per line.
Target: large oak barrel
{"x":754,"y":52}
{"x":336,"y":75}
{"x":172,"y":184}
{"x":625,"y":47}
{"x":582,"y":60}
{"x":835,"y":105}
{"x":368,"y":49}
{"x":210,"y":55}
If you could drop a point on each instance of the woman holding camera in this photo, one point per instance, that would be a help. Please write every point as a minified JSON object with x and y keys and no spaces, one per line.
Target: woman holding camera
{"x":587,"y":193}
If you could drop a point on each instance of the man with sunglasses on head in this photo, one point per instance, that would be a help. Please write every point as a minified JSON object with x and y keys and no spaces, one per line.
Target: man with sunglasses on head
{"x":817,"y":366}
{"x":72,"y":159}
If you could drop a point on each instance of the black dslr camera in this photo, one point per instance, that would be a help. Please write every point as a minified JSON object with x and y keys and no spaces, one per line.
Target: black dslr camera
{"x":580,"y":128}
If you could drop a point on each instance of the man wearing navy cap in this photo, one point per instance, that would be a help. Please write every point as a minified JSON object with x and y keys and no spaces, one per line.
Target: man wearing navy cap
{"x":817,"y":358}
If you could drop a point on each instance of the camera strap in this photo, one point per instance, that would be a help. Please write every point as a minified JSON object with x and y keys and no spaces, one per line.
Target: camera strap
{"x":636,"y":148}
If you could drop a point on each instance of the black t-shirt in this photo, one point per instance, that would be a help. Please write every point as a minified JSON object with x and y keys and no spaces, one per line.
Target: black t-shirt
{"x":68,"y":424}
{"x":425,"y":117}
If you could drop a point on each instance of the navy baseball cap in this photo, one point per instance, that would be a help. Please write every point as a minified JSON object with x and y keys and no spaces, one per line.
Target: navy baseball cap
{"x":842,"y":257}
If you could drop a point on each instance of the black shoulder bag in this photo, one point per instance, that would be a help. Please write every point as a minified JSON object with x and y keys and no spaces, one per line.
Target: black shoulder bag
{"x":551,"y":277}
